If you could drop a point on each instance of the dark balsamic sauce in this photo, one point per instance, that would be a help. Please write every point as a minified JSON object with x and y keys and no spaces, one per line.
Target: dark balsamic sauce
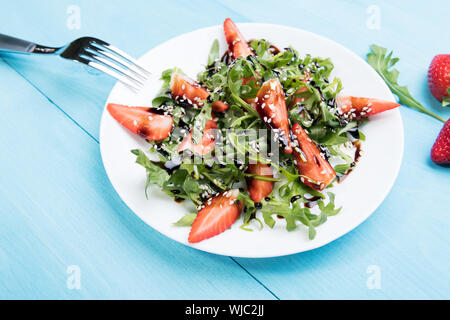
{"x":354,"y":132}
{"x":326,"y":152}
{"x":358,"y":152}
{"x":161,"y":151}
{"x":311,"y":202}
{"x":160,"y":110}
{"x":143,"y":131}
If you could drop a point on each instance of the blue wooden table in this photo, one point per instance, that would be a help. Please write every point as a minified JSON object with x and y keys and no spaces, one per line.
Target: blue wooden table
{"x":64,"y":232}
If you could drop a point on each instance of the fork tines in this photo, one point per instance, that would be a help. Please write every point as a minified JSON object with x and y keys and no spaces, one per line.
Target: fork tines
{"x":116,"y":63}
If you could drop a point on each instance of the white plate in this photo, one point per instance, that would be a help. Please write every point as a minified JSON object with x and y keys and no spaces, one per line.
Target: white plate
{"x":360,"y":194}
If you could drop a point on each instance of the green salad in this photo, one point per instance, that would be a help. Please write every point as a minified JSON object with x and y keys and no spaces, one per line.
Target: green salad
{"x":259,"y":138}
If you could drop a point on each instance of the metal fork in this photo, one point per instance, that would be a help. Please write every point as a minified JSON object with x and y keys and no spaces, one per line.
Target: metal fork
{"x":93,"y":52}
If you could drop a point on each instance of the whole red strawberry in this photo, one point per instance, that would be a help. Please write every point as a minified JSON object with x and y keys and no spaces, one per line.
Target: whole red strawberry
{"x":440,"y":153}
{"x":439,"y":76}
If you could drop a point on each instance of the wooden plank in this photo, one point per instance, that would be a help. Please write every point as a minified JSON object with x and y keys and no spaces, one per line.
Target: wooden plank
{"x":406,"y":238}
{"x":135,"y":29}
{"x":58,"y":210}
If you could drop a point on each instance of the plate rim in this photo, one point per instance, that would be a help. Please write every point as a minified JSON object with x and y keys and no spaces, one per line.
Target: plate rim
{"x":313,"y":244}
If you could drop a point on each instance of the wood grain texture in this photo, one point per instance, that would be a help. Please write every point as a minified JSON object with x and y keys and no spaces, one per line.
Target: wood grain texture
{"x":407,"y":236}
{"x":58,"y":208}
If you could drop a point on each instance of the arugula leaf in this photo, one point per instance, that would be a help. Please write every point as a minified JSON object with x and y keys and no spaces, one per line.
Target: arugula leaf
{"x":191,"y":187}
{"x":383,"y":64}
{"x":155,"y":174}
{"x":159,"y":100}
{"x":342,"y":168}
{"x":312,"y":232}
{"x":329,"y":209}
{"x":200,"y":122}
{"x":238,"y":71}
{"x":213,"y":53}
{"x":186,"y":220}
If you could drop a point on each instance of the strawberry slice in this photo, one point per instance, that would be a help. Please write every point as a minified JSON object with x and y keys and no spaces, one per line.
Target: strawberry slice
{"x":259,"y":189}
{"x":141,"y":121}
{"x":218,"y":214}
{"x":271,"y":108}
{"x":187,"y":90}
{"x":316,"y":172}
{"x":358,"y":107}
{"x":207,"y":143}
{"x":237,"y":46}
{"x":219,"y":106}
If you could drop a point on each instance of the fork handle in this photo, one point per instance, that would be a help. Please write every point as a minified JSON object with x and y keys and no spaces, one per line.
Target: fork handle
{"x":8,"y":43}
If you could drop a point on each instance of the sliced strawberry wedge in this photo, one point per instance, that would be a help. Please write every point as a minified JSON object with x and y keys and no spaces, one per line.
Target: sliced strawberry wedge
{"x":358,"y":107}
{"x":271,"y":108}
{"x":259,"y":189}
{"x":237,"y":46}
{"x":187,"y":90}
{"x":141,"y":121}
{"x":218,"y":215}
{"x":207,"y":143}
{"x":316,"y":172}
{"x":219,"y":106}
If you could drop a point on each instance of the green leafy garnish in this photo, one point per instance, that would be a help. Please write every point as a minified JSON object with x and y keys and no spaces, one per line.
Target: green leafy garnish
{"x":214,"y":52}
{"x":383,"y":64}
{"x":186,"y":220}
{"x":446,"y":100}
{"x":310,"y":94}
{"x":155,"y":174}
